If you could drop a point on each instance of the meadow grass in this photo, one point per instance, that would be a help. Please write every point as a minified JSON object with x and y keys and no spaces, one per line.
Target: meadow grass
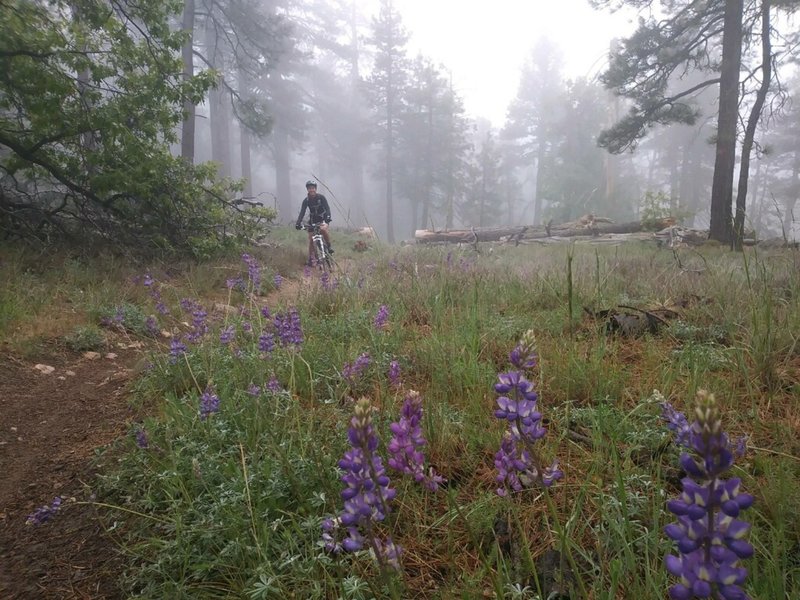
{"x":231,"y":505}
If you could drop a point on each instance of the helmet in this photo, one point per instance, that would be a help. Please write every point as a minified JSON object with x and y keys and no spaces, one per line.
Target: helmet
{"x":310,"y":184}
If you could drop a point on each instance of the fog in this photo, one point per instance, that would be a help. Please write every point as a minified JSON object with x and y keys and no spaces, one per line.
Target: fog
{"x":415,"y":115}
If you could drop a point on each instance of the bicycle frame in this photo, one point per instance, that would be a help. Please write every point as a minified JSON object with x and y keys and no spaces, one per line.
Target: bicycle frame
{"x":323,"y":258}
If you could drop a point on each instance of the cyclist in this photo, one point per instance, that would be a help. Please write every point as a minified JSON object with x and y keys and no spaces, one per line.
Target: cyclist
{"x":318,"y":212}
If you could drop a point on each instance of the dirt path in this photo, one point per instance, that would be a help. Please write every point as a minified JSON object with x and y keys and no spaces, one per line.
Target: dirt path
{"x":50,"y":425}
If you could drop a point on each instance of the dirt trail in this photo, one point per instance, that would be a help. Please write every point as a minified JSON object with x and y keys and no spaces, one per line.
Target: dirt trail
{"x":50,"y":425}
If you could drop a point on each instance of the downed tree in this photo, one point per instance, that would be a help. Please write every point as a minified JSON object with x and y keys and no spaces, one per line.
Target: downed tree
{"x":587,"y":225}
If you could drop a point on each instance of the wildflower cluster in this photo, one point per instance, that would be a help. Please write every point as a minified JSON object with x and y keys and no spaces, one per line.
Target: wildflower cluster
{"x":405,"y":447}
{"x":381,"y":317}
{"x":517,"y":463}
{"x":155,"y":293}
{"x":352,"y":371}
{"x":253,"y":272}
{"x":366,"y":495}
{"x":44,"y":513}
{"x":288,"y":328}
{"x":709,"y":536}
{"x":209,"y":403}
{"x":142,"y":440}
{"x":176,"y":350}
{"x":394,"y":373}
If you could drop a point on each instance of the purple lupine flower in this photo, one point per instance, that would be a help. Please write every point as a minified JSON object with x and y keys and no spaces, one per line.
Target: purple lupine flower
{"x":709,"y":536}
{"x":253,"y":390}
{"x":394,"y":373}
{"x":199,"y":324}
{"x":247,"y":326}
{"x":381,"y":317}
{"x":266,"y":342}
{"x":518,"y":465}
{"x":306,"y":271}
{"x":253,"y":271}
{"x":176,"y":349}
{"x":188,"y":305}
{"x":523,"y":356}
{"x":209,"y":403}
{"x":405,"y":447}
{"x":147,"y":280}
{"x":162,"y":308}
{"x":151,"y":325}
{"x":677,"y":423}
{"x":265,"y":312}
{"x":351,"y":372}
{"x":141,"y":438}
{"x":226,"y":335}
{"x":290,"y":332}
{"x":367,"y":494}
{"x":44,"y":513}
{"x":235,"y":283}
{"x":278,"y":280}
{"x":273,"y":385}
{"x":325,"y":280}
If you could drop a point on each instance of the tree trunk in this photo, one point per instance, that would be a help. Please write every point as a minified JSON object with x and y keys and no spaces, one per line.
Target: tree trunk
{"x":752,"y":122}
{"x":244,"y":146}
{"x":389,"y":159}
{"x":493,"y":234}
{"x":539,"y":192}
{"x":187,"y":52}
{"x":356,"y":165}
{"x":217,"y":107}
{"x":791,"y":197}
{"x":280,"y":149}
{"x":722,"y":185}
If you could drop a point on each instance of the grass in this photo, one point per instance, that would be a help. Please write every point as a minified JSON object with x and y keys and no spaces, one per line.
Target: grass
{"x":231,"y":506}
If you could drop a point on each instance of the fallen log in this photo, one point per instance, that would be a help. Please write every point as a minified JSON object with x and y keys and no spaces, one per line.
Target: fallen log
{"x":516,"y":234}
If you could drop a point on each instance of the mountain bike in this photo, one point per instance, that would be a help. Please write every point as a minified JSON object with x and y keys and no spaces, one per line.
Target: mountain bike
{"x":324,"y":259}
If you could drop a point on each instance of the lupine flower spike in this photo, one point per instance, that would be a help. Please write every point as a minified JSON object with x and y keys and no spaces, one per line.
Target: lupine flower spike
{"x":366,"y":496}
{"x":518,"y":465}
{"x":209,"y":403}
{"x":709,"y":536}
{"x":381,"y":317}
{"x":405,"y":447}
{"x":44,"y":513}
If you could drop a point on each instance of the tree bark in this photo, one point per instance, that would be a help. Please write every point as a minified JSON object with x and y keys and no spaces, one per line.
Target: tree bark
{"x":722,"y":185}
{"x":189,"y":109}
{"x":752,"y":122}
{"x":280,"y":149}
{"x":539,"y":192}
{"x":218,"y":113}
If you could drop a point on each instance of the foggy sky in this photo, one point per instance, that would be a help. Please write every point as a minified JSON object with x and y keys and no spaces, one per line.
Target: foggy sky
{"x":485,"y":44}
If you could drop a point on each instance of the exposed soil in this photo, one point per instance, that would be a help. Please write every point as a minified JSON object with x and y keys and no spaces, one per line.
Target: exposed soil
{"x":50,"y":427}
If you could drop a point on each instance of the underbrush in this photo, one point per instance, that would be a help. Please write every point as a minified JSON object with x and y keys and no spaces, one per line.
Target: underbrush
{"x":224,"y":490}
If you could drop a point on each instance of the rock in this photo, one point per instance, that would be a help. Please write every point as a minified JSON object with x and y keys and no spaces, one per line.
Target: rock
{"x":91,"y":355}
{"x":165,"y":334}
{"x":111,"y":356}
{"x":69,"y":373}
{"x":46,"y":369}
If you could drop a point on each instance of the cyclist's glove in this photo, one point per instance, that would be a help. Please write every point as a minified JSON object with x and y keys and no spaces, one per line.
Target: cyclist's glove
{"x":328,"y":218}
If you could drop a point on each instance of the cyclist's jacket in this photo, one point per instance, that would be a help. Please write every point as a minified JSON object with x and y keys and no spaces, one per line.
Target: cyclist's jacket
{"x":318,"y":209}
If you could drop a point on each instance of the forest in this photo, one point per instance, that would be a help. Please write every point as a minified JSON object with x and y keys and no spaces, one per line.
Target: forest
{"x":465,"y":400}
{"x":184,"y":125}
